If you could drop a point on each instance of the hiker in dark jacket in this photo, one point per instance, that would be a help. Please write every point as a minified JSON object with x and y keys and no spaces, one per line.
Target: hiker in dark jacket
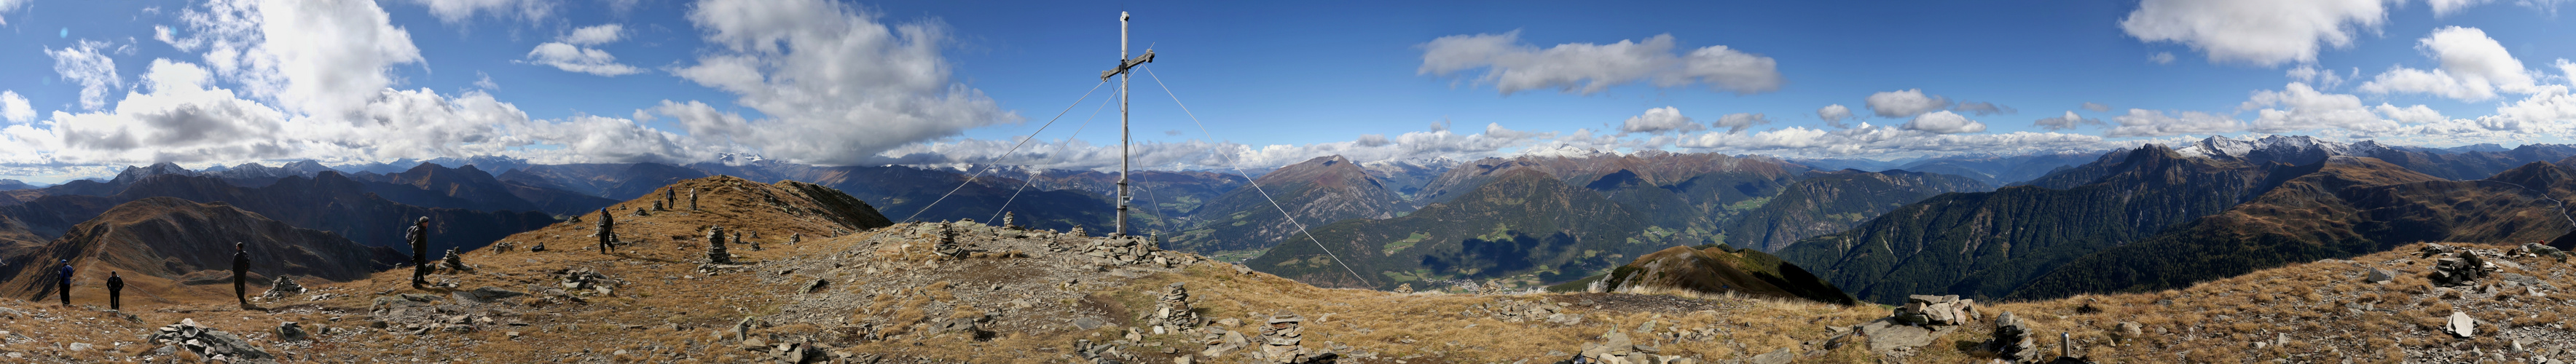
{"x":66,"y":283}
{"x":241,"y":274}
{"x":418,"y":236}
{"x":115,"y":291}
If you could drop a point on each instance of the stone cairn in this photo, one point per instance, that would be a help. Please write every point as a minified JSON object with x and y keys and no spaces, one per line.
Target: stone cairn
{"x":1009,"y":220}
{"x":1926,"y":310}
{"x":2013,"y":342}
{"x":1126,"y":251}
{"x":657,"y":206}
{"x":737,"y":238}
{"x":947,"y":246}
{"x":215,"y":345}
{"x":284,"y":287}
{"x":580,"y":279}
{"x":641,"y":213}
{"x":1617,"y":348}
{"x":454,"y":261}
{"x":1173,"y":311}
{"x":716,"y":246}
{"x":1279,"y":341}
{"x":2457,"y":266}
{"x":1406,"y":288}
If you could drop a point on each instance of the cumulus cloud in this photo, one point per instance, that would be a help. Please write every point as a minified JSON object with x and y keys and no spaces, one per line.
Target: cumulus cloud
{"x":1888,"y":141}
{"x":577,"y":59}
{"x":2161,"y":58}
{"x":2473,"y":68}
{"x":1660,"y":120}
{"x":2418,"y":114}
{"x":320,"y":58}
{"x":2070,"y":120}
{"x":1944,"y":122}
{"x":836,"y":85}
{"x":570,"y":52}
{"x":458,"y":11}
{"x":1737,"y":122}
{"x":2443,"y":8}
{"x":83,"y":65}
{"x":2263,"y":33}
{"x":1834,"y":115}
{"x":2298,"y":107}
{"x":2095,"y":107}
{"x":595,"y":35}
{"x":7,"y":6}
{"x":2320,"y":77}
{"x":15,"y":108}
{"x":2152,"y":123}
{"x":1588,"y":68}
{"x":1905,"y":103}
{"x":1984,"y":108}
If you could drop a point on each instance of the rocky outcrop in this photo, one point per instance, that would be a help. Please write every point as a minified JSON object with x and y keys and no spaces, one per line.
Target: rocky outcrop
{"x":214,"y":345}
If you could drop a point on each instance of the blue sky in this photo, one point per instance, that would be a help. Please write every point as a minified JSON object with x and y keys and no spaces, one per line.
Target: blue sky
{"x":567,"y":81}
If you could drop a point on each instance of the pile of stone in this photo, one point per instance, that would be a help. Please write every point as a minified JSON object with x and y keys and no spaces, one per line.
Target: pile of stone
{"x":2457,"y":266}
{"x":1220,"y":342}
{"x":1927,"y":310}
{"x":1511,"y":310}
{"x":947,"y":246}
{"x":582,"y":279}
{"x":1617,"y":349}
{"x":214,"y":345}
{"x":2012,"y":342}
{"x":716,"y":247}
{"x":284,"y":287}
{"x":1923,"y":320}
{"x":1172,"y":313}
{"x":1126,"y":251}
{"x":454,"y":261}
{"x":1280,"y":342}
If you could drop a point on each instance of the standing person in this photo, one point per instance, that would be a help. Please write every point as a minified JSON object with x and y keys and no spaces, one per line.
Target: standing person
{"x":419,"y":238}
{"x":241,"y":274}
{"x":607,"y":230}
{"x":115,"y":290}
{"x":66,"y":286}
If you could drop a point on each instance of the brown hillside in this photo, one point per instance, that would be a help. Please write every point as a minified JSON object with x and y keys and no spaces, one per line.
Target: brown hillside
{"x":173,"y":249}
{"x":1039,"y":296}
{"x":1719,"y":270}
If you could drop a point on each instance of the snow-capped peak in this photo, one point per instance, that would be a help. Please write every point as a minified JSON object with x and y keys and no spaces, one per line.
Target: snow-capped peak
{"x":2293,"y":149}
{"x":1562,"y":151}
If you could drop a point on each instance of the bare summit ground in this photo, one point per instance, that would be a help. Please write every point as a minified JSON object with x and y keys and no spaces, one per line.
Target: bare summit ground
{"x":1012,"y":296}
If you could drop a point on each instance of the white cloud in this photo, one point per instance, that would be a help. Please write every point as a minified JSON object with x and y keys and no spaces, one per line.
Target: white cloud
{"x":1737,"y":122}
{"x":2263,"y":33}
{"x":1984,"y":108}
{"x":2549,"y":112}
{"x":577,"y":59}
{"x":1660,"y":120}
{"x":2474,"y":67}
{"x":2417,"y":114}
{"x":2321,"y":77}
{"x":320,"y":58}
{"x":2151,"y":123}
{"x":1906,"y":103}
{"x":1888,"y":141}
{"x":458,"y":11}
{"x":1944,"y":122}
{"x":595,"y":35}
{"x":2095,"y":107}
{"x":1834,"y":115}
{"x":1588,"y":68}
{"x":83,"y":65}
{"x":2070,"y":120}
{"x":484,"y":81}
{"x":838,"y":87}
{"x":2161,"y":58}
{"x":2309,"y":109}
{"x":7,"y":6}
{"x":2442,"y":8}
{"x":1438,"y":142}
{"x":15,"y":108}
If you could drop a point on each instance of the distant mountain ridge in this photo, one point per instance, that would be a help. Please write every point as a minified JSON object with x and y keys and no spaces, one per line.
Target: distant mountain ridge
{"x":162,"y":243}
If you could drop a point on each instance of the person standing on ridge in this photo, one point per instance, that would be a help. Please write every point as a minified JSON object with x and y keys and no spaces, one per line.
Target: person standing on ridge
{"x":607,"y":230}
{"x":419,"y":238}
{"x":66,"y":283}
{"x":115,"y":290}
{"x":241,"y":274}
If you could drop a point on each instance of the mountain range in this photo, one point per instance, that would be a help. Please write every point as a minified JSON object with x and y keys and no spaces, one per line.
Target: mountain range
{"x":164,"y":244}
